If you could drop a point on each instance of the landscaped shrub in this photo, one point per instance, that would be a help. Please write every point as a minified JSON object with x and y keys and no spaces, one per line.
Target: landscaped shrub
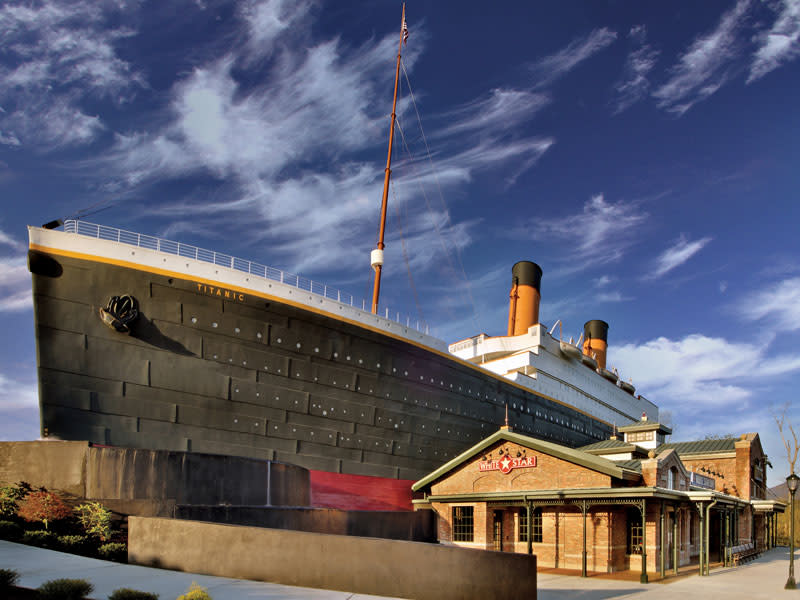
{"x":10,"y":531}
{"x":114,"y":551}
{"x":75,"y":544}
{"x":95,"y":519}
{"x":195,"y":592}
{"x":129,"y":594}
{"x":8,"y":578}
{"x":10,"y":495}
{"x":65,"y":589}
{"x":43,"y":539}
{"x":43,"y":507}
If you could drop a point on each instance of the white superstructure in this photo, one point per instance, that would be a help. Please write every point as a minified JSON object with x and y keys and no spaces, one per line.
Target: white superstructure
{"x":535,"y":361}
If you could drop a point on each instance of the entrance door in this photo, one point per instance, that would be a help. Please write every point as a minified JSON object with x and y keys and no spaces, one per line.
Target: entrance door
{"x":498,"y":530}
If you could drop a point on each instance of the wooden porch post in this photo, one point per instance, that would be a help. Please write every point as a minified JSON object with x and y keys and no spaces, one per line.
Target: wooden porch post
{"x":583,"y":556}
{"x":663,"y":539}
{"x":643,"y":508}
{"x":675,"y":540}
{"x":702,"y":520}
{"x":530,"y":528}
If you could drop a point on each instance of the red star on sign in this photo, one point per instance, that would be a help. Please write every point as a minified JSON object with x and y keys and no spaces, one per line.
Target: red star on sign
{"x":505,"y":465}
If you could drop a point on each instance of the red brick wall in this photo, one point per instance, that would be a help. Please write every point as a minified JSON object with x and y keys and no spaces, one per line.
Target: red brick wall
{"x":549,"y":473}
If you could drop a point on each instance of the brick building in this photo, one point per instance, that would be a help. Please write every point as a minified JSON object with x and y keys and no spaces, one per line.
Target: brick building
{"x":632,"y":504}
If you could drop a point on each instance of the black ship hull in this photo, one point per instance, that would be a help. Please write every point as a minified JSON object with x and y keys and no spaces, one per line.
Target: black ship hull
{"x":207,"y":368}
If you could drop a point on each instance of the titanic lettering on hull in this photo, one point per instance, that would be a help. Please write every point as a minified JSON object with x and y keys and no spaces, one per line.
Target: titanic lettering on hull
{"x":507,"y":464}
{"x":219,"y":292}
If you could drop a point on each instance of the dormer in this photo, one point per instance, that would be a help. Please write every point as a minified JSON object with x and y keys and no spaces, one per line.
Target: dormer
{"x":645,"y":434}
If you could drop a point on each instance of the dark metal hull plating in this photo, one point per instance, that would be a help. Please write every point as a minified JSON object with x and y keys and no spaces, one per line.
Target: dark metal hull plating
{"x":246,"y":376}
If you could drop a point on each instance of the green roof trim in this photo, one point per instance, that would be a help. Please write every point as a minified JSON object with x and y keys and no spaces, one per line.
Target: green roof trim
{"x":578,"y":457}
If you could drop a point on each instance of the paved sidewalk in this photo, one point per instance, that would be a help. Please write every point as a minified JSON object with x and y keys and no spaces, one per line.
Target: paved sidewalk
{"x":760,"y":579}
{"x":36,"y":565}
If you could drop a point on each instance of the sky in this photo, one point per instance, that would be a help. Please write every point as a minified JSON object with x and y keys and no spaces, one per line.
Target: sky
{"x":645,"y":155}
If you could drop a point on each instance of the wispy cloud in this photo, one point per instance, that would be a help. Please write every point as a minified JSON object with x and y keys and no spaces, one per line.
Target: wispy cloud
{"x":501,"y":110}
{"x":778,"y":304}
{"x":779,"y":45}
{"x":674,"y":256}
{"x":267,"y":19}
{"x":552,"y":67}
{"x":704,"y":67}
{"x":601,"y":233}
{"x":57,"y":55}
{"x":7,"y":240}
{"x":634,"y":84}
{"x":15,"y":285}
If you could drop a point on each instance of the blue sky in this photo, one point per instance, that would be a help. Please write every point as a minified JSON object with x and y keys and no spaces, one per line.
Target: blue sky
{"x":644,"y":154}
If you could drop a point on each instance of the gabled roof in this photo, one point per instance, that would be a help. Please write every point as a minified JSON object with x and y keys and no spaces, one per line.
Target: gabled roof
{"x":631,"y":465}
{"x":700,"y":447}
{"x":578,"y":457}
{"x":605,"y":445}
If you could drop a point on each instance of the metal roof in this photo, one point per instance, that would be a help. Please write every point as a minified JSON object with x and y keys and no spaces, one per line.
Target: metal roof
{"x":584,"y":459}
{"x":700,"y":447}
{"x":605,"y":444}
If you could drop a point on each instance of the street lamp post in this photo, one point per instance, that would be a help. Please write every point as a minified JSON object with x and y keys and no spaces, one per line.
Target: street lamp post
{"x":791,"y":483}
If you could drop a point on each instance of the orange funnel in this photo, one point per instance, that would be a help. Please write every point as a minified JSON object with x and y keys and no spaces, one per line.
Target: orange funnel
{"x":595,"y":340}
{"x":523,"y":310}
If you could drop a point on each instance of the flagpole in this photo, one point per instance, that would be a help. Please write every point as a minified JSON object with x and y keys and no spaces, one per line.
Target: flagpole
{"x":377,"y":254}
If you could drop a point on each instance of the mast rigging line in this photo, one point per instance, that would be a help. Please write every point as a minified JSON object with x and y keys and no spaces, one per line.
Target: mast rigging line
{"x":445,"y":209}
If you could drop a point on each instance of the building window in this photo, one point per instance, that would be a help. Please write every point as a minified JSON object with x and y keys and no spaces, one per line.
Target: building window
{"x":640,"y":436}
{"x":462,"y":524}
{"x":536,"y":525}
{"x":634,"y":532}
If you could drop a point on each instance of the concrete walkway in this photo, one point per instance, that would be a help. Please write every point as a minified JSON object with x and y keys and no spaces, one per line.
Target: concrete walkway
{"x":762,"y":578}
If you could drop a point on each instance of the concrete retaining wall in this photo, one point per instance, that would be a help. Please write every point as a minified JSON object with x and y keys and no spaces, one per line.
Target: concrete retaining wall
{"x":355,"y":564}
{"x":419,"y":526}
{"x":128,"y":474}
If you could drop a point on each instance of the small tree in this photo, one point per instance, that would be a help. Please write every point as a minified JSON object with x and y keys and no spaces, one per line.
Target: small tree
{"x":43,"y":507}
{"x":95,"y":519}
{"x":792,"y":445}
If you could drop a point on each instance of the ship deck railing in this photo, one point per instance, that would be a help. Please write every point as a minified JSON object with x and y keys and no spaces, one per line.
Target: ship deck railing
{"x":140,"y":240}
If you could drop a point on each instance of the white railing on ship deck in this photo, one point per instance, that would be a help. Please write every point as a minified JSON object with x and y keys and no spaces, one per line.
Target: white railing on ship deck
{"x":104,"y":232}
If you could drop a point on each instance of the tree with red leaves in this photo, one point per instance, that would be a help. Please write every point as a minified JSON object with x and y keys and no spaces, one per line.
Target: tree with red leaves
{"x":43,"y":507}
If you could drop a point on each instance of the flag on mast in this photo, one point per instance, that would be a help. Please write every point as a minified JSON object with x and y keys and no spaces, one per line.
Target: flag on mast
{"x":405,"y":32}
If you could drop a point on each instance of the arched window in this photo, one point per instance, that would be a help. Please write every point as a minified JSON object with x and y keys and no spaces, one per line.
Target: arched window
{"x":672,"y":478}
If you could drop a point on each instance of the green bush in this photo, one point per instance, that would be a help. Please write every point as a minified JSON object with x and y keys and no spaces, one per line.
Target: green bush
{"x":65,"y":589}
{"x":10,"y":531}
{"x":41,"y":538}
{"x":114,"y":551}
{"x":128,"y":594}
{"x":8,"y":578}
{"x":195,"y":592}
{"x":95,"y":519}
{"x":75,"y":544}
{"x":10,"y":495}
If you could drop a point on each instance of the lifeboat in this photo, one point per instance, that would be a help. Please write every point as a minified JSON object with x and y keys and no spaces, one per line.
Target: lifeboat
{"x":571,"y":351}
{"x":605,"y":373}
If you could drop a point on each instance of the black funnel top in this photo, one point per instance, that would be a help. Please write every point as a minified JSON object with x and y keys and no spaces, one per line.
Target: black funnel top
{"x":595,"y":330}
{"x":526,"y":272}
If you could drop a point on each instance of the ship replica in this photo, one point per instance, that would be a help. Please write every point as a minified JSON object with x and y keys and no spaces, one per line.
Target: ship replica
{"x":149,"y":343}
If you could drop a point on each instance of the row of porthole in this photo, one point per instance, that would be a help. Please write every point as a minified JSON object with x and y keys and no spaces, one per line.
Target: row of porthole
{"x":347,"y":386}
{"x":298,"y":345}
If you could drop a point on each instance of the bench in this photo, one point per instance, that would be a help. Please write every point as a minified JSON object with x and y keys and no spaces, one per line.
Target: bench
{"x":743,"y":553}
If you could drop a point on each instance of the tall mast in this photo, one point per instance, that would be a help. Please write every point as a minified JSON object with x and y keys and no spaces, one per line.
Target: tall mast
{"x":376,"y":257}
